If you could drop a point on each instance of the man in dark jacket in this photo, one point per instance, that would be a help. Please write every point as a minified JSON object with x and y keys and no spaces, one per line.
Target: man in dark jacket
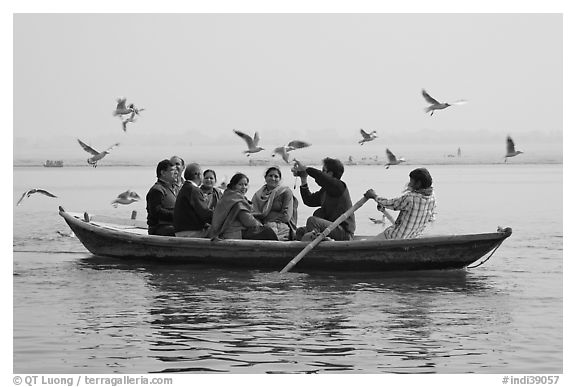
{"x":191,"y":213}
{"x":333,"y":199}
{"x":160,"y":200}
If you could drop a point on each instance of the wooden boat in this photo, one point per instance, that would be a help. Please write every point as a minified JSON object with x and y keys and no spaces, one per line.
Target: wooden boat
{"x":128,"y":239}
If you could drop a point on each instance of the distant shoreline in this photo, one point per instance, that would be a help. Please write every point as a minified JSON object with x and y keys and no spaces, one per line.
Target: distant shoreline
{"x":229,"y":164}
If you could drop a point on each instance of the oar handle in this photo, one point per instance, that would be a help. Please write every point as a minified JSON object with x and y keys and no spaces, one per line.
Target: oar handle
{"x":324,"y":234}
{"x":388,"y":216}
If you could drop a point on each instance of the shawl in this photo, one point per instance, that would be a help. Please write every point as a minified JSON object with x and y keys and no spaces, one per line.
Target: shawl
{"x":263,"y":204}
{"x":212,"y":196}
{"x":227,"y":210}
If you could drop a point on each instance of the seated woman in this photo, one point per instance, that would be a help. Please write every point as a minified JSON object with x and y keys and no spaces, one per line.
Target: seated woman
{"x":233,"y":218}
{"x":276,"y":206}
{"x":211,"y":193}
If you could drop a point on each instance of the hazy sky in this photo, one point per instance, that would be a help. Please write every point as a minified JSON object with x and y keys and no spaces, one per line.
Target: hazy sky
{"x":315,"y":77}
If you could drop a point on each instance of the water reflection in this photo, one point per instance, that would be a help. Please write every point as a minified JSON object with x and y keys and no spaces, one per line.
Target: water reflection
{"x":216,"y":320}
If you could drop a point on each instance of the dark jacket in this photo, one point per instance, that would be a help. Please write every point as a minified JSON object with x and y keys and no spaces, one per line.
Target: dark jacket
{"x":191,"y":212}
{"x":160,"y":202}
{"x":333,"y":199}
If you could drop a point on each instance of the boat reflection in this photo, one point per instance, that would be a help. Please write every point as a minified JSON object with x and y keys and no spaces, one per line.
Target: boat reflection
{"x":219,"y":320}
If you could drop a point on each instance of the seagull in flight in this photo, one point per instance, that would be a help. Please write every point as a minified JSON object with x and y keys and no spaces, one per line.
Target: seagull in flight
{"x":292,"y":145}
{"x":435,"y":105}
{"x":132,"y":118}
{"x":135,"y":109}
{"x":96,"y":156}
{"x":33,"y":191}
{"x":367,"y":136}
{"x":377,"y":221}
{"x":127,"y":197}
{"x":251,"y":142}
{"x":510,"y":149}
{"x":392,"y":160}
{"x":121,"y":108}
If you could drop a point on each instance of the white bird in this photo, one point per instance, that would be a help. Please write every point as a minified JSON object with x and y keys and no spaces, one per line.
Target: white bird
{"x":292,"y":145}
{"x":135,"y":109}
{"x":435,"y":105}
{"x":96,"y":155}
{"x":121,"y":108}
{"x":64,"y":234}
{"x":510,"y":149}
{"x":367,"y":136}
{"x":127,"y":197}
{"x":392,"y":160}
{"x":33,"y":191}
{"x":132,"y":118}
{"x":377,"y":221}
{"x":251,"y":142}
{"x":223,"y":183}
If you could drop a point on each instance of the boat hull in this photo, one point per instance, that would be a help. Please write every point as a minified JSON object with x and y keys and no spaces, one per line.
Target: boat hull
{"x":430,"y":253}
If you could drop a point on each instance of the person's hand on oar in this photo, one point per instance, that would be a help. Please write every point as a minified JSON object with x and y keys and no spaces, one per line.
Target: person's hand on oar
{"x":324,"y":234}
{"x":371,"y":194}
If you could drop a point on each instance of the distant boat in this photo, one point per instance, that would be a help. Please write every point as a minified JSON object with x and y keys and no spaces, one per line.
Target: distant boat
{"x":53,"y":163}
{"x":459,"y":152}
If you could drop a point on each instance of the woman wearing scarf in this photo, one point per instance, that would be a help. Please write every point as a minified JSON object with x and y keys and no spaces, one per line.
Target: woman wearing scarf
{"x":276,"y":206}
{"x":211,"y":193}
{"x":417,"y":207}
{"x":233,"y":217}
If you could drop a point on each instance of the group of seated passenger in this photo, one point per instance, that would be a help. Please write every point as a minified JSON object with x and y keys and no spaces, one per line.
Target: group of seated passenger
{"x":191,"y":206}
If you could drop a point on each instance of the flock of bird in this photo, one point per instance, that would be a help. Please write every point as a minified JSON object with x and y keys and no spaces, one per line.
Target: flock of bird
{"x":127,"y":114}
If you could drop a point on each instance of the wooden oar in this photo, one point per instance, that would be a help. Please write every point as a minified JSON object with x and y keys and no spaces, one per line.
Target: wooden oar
{"x":388,"y":216}
{"x":324,"y":234}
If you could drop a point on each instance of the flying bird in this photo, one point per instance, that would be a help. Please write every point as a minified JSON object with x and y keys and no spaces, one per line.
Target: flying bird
{"x":96,"y":156}
{"x":251,"y":142}
{"x":377,"y":221}
{"x":367,"y":136}
{"x":132,"y":118}
{"x":33,"y":191}
{"x":135,"y":109}
{"x":127,"y":197}
{"x":121,"y":108}
{"x":392,"y":160}
{"x":435,"y":105}
{"x":292,"y":145}
{"x":510,"y":149}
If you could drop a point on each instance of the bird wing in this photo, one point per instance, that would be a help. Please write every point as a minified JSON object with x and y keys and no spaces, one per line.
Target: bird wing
{"x":88,"y":148}
{"x":459,"y":102}
{"x":297,"y":144}
{"x":364,"y":134}
{"x":22,"y":197}
{"x":391,"y":157}
{"x":428,"y":98}
{"x":110,"y":148}
{"x":123,"y":195}
{"x":256,"y":138}
{"x":44,"y":192}
{"x":244,"y":136}
{"x":510,"y":145}
{"x":279,"y":150}
{"x":121,"y":104}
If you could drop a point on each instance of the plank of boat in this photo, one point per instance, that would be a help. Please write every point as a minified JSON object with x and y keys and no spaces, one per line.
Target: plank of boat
{"x":112,"y":222}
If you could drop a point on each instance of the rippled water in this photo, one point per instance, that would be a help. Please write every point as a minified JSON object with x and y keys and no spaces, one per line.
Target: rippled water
{"x":75,"y":313}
